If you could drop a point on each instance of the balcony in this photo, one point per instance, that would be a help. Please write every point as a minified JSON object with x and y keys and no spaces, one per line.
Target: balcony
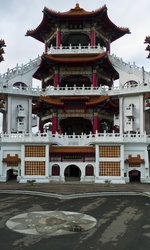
{"x":63,"y":91}
{"x":75,"y":49}
{"x":75,"y":140}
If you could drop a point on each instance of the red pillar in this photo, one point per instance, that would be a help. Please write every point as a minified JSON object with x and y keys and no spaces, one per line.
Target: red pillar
{"x":43,"y":85}
{"x":56,"y":79}
{"x":40,"y":126}
{"x":94,"y":78}
{"x":93,"y":38}
{"x":58,"y":37}
{"x":95,"y":122}
{"x":108,"y":48}
{"x":54,"y":123}
{"x":46,"y":47}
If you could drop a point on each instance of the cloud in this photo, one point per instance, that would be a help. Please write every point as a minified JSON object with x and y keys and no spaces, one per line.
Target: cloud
{"x":19,"y":16}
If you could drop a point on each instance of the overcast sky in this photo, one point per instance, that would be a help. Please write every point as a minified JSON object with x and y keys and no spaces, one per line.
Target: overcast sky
{"x":17,"y":16}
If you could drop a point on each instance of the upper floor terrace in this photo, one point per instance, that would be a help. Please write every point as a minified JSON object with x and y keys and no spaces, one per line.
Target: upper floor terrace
{"x":129,"y":89}
{"x":58,"y":50}
{"x":19,"y":71}
{"x":24,"y":74}
{"x":74,"y":140}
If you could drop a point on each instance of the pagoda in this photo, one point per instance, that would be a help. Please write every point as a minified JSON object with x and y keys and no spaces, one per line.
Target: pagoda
{"x":77,"y":44}
{"x":92,"y":109}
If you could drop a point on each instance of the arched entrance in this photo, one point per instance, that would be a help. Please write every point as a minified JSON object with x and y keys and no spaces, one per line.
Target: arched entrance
{"x":89,"y":170}
{"x":12,"y":175}
{"x":55,"y":170}
{"x":135,"y":176}
{"x":72,"y":173}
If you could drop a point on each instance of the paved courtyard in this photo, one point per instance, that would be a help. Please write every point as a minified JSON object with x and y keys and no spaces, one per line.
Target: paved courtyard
{"x":103,"y":222}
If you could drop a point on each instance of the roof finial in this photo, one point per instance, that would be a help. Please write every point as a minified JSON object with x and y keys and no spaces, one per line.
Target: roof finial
{"x":77,"y":5}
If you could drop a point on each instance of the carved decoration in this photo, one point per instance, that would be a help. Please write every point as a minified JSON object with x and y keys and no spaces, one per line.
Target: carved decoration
{"x":12,"y":159}
{"x":134,"y":160}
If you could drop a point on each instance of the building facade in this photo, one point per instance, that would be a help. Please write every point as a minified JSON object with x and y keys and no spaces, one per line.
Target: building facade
{"x":92,"y":110}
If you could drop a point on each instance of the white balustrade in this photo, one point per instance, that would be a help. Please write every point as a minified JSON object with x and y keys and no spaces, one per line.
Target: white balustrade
{"x":101,"y":90}
{"x":66,"y":91}
{"x":131,"y":69}
{"x":74,"y":140}
{"x":19,"y":70}
{"x":142,"y":86}
{"x":76,"y":49}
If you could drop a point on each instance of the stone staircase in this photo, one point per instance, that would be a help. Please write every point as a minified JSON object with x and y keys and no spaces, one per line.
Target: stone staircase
{"x":128,"y":68}
{"x":20,"y":70}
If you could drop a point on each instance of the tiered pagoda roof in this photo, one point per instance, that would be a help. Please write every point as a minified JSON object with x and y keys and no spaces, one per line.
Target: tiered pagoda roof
{"x":53,"y":19}
{"x":77,"y":58}
{"x":50,"y":60}
{"x":46,"y":102}
{"x":77,"y":14}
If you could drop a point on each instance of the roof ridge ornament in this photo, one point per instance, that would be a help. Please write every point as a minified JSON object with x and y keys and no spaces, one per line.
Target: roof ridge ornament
{"x":77,"y":5}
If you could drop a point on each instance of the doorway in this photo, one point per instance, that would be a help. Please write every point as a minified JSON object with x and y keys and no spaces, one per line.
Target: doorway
{"x":12,"y":175}
{"x":72,"y":173}
{"x":135,"y":176}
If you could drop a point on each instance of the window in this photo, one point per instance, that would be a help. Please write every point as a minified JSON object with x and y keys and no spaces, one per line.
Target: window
{"x":89,"y":170}
{"x":55,"y":170}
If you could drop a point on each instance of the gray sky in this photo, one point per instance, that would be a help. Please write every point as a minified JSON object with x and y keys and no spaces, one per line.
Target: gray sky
{"x":18,"y":16}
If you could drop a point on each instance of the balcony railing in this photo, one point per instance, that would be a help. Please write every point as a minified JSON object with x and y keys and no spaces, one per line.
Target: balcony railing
{"x":74,"y":140}
{"x":63,"y":91}
{"x":76,"y":49}
{"x":20,"y":70}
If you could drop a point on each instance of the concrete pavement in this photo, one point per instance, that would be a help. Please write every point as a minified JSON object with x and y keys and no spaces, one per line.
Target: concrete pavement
{"x":68,"y":188}
{"x":73,"y":215}
{"x":29,"y":222}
